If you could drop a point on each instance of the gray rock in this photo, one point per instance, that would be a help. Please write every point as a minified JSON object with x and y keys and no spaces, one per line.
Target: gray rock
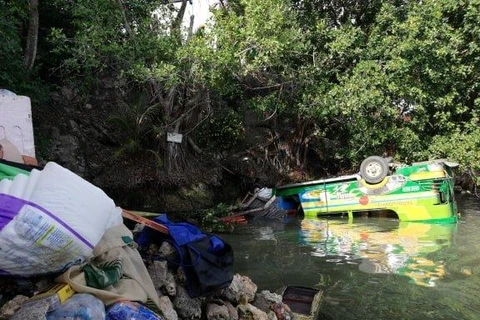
{"x":265,"y":300}
{"x":271,"y":315}
{"x":167,"y":250}
{"x":74,"y":126}
{"x":166,"y":306}
{"x":158,"y":272}
{"x":138,"y":228}
{"x":241,"y":288}
{"x":232,"y":311}
{"x":217,"y":312}
{"x":250,"y":312}
{"x":162,"y":278}
{"x":268,"y":302}
{"x":64,"y":151}
{"x":68,"y":93}
{"x":32,"y":311}
{"x":186,"y":307}
{"x":170,"y":286}
{"x":9,"y":308}
{"x":282,"y":311}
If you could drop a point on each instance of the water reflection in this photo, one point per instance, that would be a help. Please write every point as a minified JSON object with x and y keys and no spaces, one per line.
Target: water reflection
{"x":275,"y":254}
{"x":381,"y":246}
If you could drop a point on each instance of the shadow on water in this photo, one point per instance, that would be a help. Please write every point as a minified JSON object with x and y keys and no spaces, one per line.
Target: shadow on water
{"x":370,"y":268}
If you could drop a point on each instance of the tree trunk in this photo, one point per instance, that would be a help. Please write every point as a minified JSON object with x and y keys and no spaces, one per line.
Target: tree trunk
{"x":32,"y":36}
{"x":124,"y":14}
{"x":174,"y":157}
{"x":179,"y":18}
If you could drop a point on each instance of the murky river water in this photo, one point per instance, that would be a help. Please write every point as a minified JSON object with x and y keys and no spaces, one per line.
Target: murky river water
{"x":371,"y":268}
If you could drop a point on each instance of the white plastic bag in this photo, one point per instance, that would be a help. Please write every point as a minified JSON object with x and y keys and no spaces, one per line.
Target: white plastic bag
{"x":51,"y":220}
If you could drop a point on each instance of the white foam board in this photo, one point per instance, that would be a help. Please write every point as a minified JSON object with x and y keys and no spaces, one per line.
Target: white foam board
{"x":16,"y":123}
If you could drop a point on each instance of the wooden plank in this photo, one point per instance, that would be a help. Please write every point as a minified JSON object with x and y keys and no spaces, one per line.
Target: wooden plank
{"x":144,"y":214}
{"x":234,"y":219}
{"x":149,"y":223}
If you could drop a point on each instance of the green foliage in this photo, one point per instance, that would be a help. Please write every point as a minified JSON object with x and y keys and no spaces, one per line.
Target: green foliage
{"x":110,"y":37}
{"x":221,"y":131}
{"x":387,"y":77}
{"x":136,"y":130}
{"x":210,"y":219}
{"x":356,"y":77}
{"x":465,"y":150}
{"x":11,"y":19}
{"x":14,"y":76}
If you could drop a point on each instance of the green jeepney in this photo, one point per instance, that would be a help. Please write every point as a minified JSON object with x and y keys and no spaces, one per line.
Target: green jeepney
{"x":422,"y":191}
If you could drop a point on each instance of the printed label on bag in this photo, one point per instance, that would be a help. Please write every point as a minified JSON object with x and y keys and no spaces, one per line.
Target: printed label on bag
{"x":35,"y":243}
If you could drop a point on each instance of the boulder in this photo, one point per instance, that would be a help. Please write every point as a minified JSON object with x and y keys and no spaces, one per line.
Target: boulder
{"x":168,"y":252}
{"x":282,"y":311}
{"x":217,"y":311}
{"x":166,"y":306}
{"x":268,"y":301}
{"x":162,"y":278}
{"x":187,"y":308}
{"x":169,"y":286}
{"x":241,"y":287}
{"x":265,"y":300}
{"x":232,"y":311}
{"x":250,"y":312}
{"x":9,"y":308}
{"x":158,"y":273}
{"x":33,"y":311}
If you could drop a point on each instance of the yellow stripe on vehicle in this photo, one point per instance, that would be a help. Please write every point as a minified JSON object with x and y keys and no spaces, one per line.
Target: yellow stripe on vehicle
{"x":427,"y":175}
{"x":379,"y":185}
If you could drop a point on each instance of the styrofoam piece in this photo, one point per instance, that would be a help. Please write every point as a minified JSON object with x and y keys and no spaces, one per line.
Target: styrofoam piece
{"x":16,"y":123}
{"x":265,"y":193}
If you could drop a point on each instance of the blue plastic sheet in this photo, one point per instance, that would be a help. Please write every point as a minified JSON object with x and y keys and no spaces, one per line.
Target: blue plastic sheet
{"x":130,"y":310}
{"x":181,"y":232}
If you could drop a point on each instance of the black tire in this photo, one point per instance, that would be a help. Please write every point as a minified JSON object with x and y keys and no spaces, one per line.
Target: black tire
{"x":374,"y":169}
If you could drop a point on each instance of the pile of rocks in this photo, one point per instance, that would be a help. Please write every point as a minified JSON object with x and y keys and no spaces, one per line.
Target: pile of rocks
{"x":239,"y":301}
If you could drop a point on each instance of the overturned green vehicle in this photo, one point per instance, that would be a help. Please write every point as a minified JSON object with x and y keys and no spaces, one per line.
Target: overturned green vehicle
{"x":422,"y":191}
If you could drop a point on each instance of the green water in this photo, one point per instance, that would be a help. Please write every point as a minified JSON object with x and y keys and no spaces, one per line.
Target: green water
{"x":371,"y":268}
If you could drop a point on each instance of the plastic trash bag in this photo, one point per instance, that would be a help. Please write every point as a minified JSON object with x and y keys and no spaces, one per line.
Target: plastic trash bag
{"x":131,"y":310}
{"x":81,"y":306}
{"x":51,"y":219}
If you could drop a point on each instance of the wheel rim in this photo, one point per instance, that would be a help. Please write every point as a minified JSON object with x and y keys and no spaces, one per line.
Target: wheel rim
{"x":373,"y":169}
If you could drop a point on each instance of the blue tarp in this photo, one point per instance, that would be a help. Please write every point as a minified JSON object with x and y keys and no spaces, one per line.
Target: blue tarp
{"x":206,"y":260}
{"x":181,"y":233}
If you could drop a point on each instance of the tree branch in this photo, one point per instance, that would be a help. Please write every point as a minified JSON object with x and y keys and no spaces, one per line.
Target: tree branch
{"x":194,"y":145}
{"x":127,"y":24}
{"x":190,"y":28}
{"x":32,"y":36}
{"x":179,"y":18}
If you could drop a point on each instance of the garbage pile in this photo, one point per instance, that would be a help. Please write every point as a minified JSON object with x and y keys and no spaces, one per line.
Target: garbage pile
{"x":65,"y":253}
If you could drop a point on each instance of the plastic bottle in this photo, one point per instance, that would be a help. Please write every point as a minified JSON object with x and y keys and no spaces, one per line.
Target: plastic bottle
{"x":82,"y":306}
{"x":131,"y":310}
